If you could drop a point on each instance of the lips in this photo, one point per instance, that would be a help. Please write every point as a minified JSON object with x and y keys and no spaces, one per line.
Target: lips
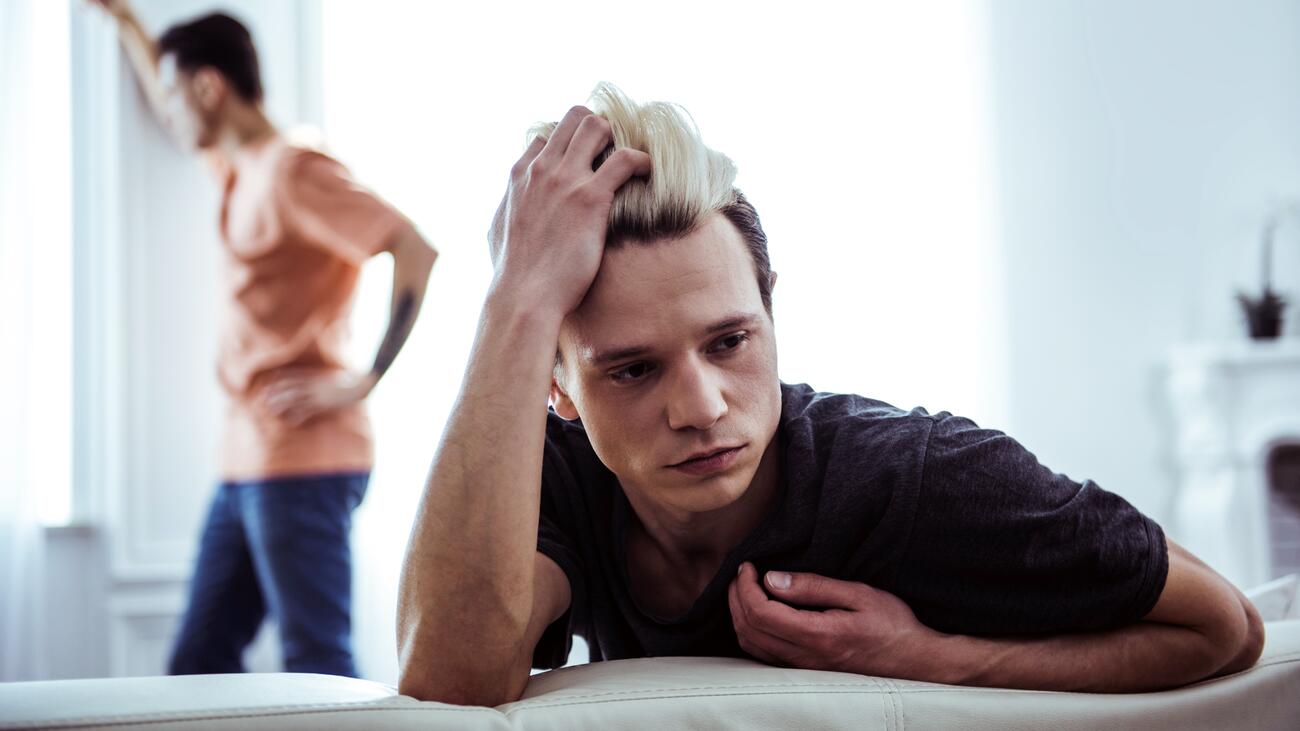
{"x":703,"y":455}
{"x":708,"y":462}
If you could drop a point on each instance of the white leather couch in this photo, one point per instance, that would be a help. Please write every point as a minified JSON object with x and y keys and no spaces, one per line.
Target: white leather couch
{"x":660,"y":693}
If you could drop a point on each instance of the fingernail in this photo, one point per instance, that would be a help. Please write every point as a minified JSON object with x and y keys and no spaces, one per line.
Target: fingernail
{"x":778,"y":579}
{"x":740,"y":568}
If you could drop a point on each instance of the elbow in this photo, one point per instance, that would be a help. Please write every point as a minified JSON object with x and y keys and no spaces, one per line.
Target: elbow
{"x":459,"y":689}
{"x":1250,"y":644}
{"x":1234,"y":640}
{"x":410,"y":246}
{"x":462,"y":675}
{"x":422,"y":252}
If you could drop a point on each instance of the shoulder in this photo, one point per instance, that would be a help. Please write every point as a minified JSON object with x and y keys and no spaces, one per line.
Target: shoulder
{"x":863,"y":458}
{"x":849,"y":423}
{"x":296,"y":162}
{"x":826,"y":418}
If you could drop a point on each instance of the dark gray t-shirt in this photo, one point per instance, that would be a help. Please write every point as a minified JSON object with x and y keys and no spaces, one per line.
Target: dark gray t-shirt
{"x":962,"y":523}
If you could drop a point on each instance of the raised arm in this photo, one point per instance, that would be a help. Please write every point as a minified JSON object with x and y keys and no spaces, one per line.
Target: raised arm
{"x":141,"y":50}
{"x":475,"y":595}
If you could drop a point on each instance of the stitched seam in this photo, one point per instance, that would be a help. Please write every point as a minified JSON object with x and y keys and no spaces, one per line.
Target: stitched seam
{"x":779,"y":689}
{"x":214,"y":715}
{"x":792,"y":688}
{"x":866,"y":682}
{"x":884,"y":710}
{"x":893,"y":705}
{"x":581,"y":701}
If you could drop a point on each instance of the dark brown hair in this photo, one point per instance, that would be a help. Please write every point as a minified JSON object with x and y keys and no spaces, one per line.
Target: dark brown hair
{"x":220,"y":42}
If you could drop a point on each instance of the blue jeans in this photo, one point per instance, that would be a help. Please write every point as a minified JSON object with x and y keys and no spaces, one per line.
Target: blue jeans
{"x":279,"y":546}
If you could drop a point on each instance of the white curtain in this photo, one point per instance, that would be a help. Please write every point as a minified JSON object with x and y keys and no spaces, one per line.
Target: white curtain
{"x":34,"y":309}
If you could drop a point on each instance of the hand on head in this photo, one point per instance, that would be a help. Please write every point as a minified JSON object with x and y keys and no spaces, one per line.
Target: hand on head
{"x":548,"y":235}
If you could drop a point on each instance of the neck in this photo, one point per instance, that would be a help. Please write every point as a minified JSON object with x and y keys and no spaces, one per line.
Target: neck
{"x":245,"y":127}
{"x":686,"y":539}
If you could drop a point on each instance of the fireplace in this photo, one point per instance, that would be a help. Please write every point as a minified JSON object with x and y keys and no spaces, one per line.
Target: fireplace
{"x":1236,"y":456}
{"x":1283,"y":470}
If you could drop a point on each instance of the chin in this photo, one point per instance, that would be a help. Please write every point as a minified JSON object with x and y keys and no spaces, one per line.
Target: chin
{"x":709,"y":494}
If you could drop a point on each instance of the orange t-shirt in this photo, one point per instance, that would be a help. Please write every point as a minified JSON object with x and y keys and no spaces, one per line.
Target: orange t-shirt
{"x":296,"y":229}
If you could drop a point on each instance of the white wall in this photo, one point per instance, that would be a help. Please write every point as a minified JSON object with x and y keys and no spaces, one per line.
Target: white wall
{"x":1141,"y":145}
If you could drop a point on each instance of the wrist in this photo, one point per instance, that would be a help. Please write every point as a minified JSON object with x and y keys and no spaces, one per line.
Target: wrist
{"x":122,"y":13}
{"x":944,"y":658}
{"x":513,"y":301}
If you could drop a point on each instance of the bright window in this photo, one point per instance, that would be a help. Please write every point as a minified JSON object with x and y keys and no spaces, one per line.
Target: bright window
{"x":36,"y":248}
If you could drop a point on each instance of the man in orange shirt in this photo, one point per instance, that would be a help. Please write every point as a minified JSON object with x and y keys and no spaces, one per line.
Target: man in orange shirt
{"x":296,"y":454}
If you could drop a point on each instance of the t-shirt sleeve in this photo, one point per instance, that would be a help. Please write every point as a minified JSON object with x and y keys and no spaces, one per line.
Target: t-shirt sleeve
{"x":321,"y":202}
{"x":555,"y":540}
{"x":1002,"y":545}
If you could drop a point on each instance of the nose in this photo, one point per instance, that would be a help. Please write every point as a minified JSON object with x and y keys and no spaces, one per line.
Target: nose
{"x":695,"y":399}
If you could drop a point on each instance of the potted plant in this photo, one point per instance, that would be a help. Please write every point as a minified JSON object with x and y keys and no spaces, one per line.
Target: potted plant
{"x":1264,"y":313}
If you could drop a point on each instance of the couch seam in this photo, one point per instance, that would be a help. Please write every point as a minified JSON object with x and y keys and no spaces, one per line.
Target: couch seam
{"x":589,"y":701}
{"x":893,"y":710}
{"x":792,"y":688}
{"x":867,"y":682}
{"x":896,"y":704}
{"x":211,"y":714}
{"x":812,"y":687}
{"x":872,"y":686}
{"x":884,"y":712}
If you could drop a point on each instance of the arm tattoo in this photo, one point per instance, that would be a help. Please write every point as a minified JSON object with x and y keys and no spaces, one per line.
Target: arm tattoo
{"x":399,"y":327}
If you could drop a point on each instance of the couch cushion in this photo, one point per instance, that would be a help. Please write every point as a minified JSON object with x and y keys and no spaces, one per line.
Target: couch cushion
{"x":228,"y":702}
{"x":676,"y":693}
{"x":715,"y":693}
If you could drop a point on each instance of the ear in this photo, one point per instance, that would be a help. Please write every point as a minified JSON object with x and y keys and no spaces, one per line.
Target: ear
{"x":771,"y":281}
{"x":209,"y":88}
{"x":563,"y":404}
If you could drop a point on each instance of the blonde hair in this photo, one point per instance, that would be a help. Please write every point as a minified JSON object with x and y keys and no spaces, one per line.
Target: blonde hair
{"x":688,"y":180}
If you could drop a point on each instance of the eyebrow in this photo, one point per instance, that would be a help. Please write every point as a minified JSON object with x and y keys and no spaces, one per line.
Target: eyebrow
{"x":734,"y":320}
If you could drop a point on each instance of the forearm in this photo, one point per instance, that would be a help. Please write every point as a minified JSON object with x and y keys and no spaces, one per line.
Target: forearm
{"x":142,"y":52}
{"x":1200,"y":627}
{"x":466,"y":592}
{"x":1144,"y":656}
{"x":413,"y":260}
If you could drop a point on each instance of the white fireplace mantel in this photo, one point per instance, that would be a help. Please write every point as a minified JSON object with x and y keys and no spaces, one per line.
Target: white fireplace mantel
{"x":1232,"y":404}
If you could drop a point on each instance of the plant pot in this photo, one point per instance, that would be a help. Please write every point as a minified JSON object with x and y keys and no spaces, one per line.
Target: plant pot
{"x":1263,"y":314}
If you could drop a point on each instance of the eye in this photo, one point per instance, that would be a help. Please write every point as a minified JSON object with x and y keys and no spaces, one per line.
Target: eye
{"x":729,"y":343}
{"x":631,"y":373}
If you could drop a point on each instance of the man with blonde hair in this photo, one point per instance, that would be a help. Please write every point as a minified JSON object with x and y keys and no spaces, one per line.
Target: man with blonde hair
{"x":679,"y":499}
